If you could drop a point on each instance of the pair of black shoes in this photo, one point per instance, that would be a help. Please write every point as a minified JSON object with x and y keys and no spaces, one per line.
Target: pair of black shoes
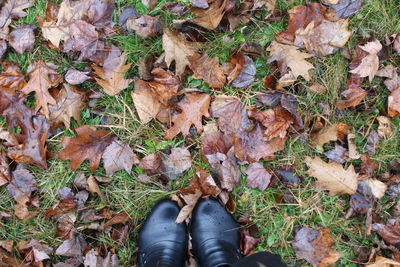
{"x":215,"y":236}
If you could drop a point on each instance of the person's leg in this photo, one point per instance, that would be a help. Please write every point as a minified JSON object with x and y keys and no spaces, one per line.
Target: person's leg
{"x":215,"y":235}
{"x":260,"y":259}
{"x":162,"y":242}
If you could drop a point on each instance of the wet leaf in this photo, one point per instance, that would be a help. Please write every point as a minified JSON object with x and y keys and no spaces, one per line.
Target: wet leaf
{"x":211,"y":17}
{"x":390,"y":232}
{"x":12,"y":9}
{"x":146,"y":102}
{"x":127,"y":13}
{"x":89,"y":144}
{"x":370,"y":63}
{"x":338,"y":154}
{"x":354,"y":94}
{"x":22,"y":38}
{"x":344,"y":8}
{"x":76,"y":77}
{"x":73,"y":247}
{"x":208,"y":69}
{"x":332,"y":176}
{"x":199,"y":3}
{"x":118,"y":156}
{"x":315,"y":246}
{"x":247,"y":74}
{"x":327,"y":134}
{"x":12,"y":78}
{"x":145,"y":26}
{"x":257,"y":176}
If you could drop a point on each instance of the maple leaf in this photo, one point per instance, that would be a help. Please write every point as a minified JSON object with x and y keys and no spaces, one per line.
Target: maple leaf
{"x":208,"y":69}
{"x":145,"y":26}
{"x":211,"y":17}
{"x":289,"y":57}
{"x":89,"y":144}
{"x":354,"y":93}
{"x":314,"y":246}
{"x":111,"y":75}
{"x":324,"y":39}
{"x":332,"y":176}
{"x":193,"y":107}
{"x":69,"y":103}
{"x":257,"y":176}
{"x":118,"y":156}
{"x":12,"y":9}
{"x":370,"y":63}
{"x":11,"y":79}
{"x":177,"y":49}
{"x":42,"y":78}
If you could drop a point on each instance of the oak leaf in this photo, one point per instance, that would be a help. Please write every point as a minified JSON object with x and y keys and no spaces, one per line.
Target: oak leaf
{"x":69,"y":103}
{"x":370,"y":63}
{"x":315,"y":246}
{"x":177,"y":49}
{"x":332,"y":176}
{"x":42,"y":78}
{"x":208,"y":69}
{"x":290,"y":59}
{"x":211,"y":17}
{"x":193,"y":108}
{"x":111,"y":75}
{"x":89,"y":144}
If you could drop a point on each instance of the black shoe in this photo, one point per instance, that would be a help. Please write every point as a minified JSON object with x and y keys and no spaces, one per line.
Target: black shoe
{"x":162,"y":242}
{"x":215,"y":235}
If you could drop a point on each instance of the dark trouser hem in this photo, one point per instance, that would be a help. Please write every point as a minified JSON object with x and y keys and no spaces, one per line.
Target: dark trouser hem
{"x":260,"y":259}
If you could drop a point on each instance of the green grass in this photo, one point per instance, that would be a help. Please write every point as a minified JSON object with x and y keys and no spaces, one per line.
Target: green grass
{"x":277,"y":222}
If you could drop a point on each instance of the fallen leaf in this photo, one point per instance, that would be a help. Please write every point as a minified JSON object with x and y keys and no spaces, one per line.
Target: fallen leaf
{"x":93,"y":187}
{"x":100,"y":13}
{"x":90,"y":144}
{"x":7,"y":260}
{"x":111,"y":75}
{"x":127,"y":13}
{"x":145,"y":66}
{"x":176,"y":8}
{"x":327,"y":134}
{"x":208,"y":69}
{"x":344,"y":8}
{"x":7,"y":245}
{"x":22,"y":38}
{"x":177,"y":49}
{"x":360,"y":203}
{"x":248,"y":243}
{"x":315,"y":246}
{"x":383,"y":262}
{"x":338,"y":154}
{"x":290,"y":60}
{"x":146,"y":103}
{"x":199,"y":3}
{"x":76,"y":77}
{"x":176,"y":163}
{"x":376,"y":188}
{"x":34,"y":251}
{"x":12,"y":79}
{"x":353,"y":154}
{"x":332,"y":176}
{"x":385,"y":128}
{"x":61,"y":208}
{"x":93,"y":259}
{"x":354,"y":94}
{"x":21,"y":208}
{"x":257,"y":176}
{"x":232,"y":117}
{"x":164,"y":84}
{"x":288,"y":176}
{"x":394,"y":103}
{"x":73,"y":247}
{"x":22,"y":183}
{"x":211,"y":17}
{"x":372,"y":142}
{"x":119,"y":156}
{"x":317,"y":88}
{"x":42,"y":78}
{"x":192,"y":109}
{"x":390,"y":232}
{"x":12,"y":9}
{"x":370,"y":63}
{"x":150,"y":4}
{"x":247,"y":74}
{"x":69,"y":103}
{"x":145,"y":26}
{"x":324,"y":39}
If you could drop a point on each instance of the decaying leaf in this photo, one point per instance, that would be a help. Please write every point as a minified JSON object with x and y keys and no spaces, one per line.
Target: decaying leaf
{"x":247,"y":74}
{"x":73,"y":247}
{"x":93,"y":259}
{"x":70,"y":101}
{"x":383,"y":262}
{"x":111,"y":75}
{"x":390,"y":232}
{"x":332,"y":176}
{"x":11,"y":79}
{"x":89,"y":144}
{"x":385,"y":128}
{"x":146,"y":103}
{"x":164,"y":84}
{"x":145,"y":26}
{"x":292,"y":62}
{"x":315,"y":246}
{"x":257,"y":176}
{"x":370,"y":63}
{"x":344,"y":8}
{"x":22,"y":38}
{"x":354,"y":94}
{"x":76,"y":77}
{"x":211,"y":17}
{"x":353,"y":154}
{"x":338,"y":154}
{"x":208,"y":69}
{"x":177,"y":49}
{"x":118,"y":156}
{"x":334,"y":132}
{"x":192,"y":110}
{"x":12,"y":9}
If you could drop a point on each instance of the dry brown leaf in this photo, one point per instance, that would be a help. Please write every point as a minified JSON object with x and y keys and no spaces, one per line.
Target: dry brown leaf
{"x":394,"y":103}
{"x":315,"y":246}
{"x":331,"y":133}
{"x":354,"y":94}
{"x":353,"y":154}
{"x":118,"y":156}
{"x":11,"y":78}
{"x":208,"y":69}
{"x":193,"y":108}
{"x":22,"y":38}
{"x":164,"y":84}
{"x":383,"y":262}
{"x":7,"y":260}
{"x":12,"y":9}
{"x":70,"y":101}
{"x":177,"y":49}
{"x":42,"y":78}
{"x":257,"y":176}
{"x":93,"y":187}
{"x":376,"y":187}
{"x":145,"y":101}
{"x":111,"y":75}
{"x":145,"y":26}
{"x":324,"y":39}
{"x":332,"y":176}
{"x":76,"y":77}
{"x":385,"y":128}
{"x":7,"y":244}
{"x":390,"y":232}
{"x":292,"y":62}
{"x":89,"y":144}
{"x":211,"y":17}
{"x":317,"y":88}
{"x":370,"y":63}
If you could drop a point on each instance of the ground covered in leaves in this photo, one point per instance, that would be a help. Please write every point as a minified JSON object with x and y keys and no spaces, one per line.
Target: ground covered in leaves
{"x":287,"y":111}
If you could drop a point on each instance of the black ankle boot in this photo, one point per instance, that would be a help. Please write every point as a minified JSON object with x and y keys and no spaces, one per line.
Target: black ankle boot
{"x":215,"y":235}
{"x":162,"y":242}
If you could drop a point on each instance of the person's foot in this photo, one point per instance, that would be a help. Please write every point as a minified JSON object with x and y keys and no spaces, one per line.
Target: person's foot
{"x":162,"y":242}
{"x":215,"y":235}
